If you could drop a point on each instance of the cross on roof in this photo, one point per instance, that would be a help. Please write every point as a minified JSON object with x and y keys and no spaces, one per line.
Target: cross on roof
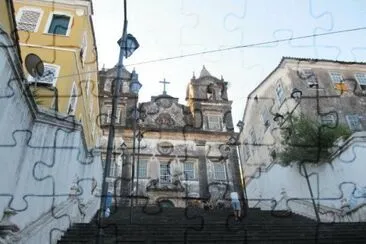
{"x":164,"y":82}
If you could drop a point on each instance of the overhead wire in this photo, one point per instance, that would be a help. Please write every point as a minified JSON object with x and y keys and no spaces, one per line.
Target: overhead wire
{"x":235,"y":47}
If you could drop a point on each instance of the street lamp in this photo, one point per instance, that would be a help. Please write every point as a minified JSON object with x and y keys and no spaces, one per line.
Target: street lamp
{"x":140,"y":135}
{"x":296,"y":94}
{"x":135,"y":87}
{"x":240,"y":125}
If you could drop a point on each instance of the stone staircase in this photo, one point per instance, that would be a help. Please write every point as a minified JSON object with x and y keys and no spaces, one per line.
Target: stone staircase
{"x":177,"y":225}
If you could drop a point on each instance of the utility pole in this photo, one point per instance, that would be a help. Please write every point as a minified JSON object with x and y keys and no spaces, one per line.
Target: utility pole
{"x":116,"y":95}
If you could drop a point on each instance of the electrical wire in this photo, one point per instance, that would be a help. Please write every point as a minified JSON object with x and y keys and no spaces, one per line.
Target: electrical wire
{"x":236,"y":47}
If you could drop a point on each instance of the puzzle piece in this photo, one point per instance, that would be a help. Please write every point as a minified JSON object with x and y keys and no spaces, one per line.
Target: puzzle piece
{"x":182,"y":135}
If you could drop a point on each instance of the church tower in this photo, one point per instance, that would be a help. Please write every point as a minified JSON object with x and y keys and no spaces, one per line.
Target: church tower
{"x":178,"y":150}
{"x":208,"y":102}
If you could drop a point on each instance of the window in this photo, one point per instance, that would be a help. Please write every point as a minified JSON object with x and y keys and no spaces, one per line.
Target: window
{"x":336,"y":77}
{"x":189,"y":170}
{"x":214,"y":122}
{"x":309,"y":76}
{"x":354,"y":122}
{"x":142,"y":170}
{"x":109,"y":116}
{"x":114,"y":172}
{"x":219,"y":171}
{"x":59,"y":24}
{"x":280,"y":93}
{"x":266,"y":118}
{"x":165,"y":173}
{"x":361,"y":78}
{"x":328,"y":119}
{"x":118,"y":116}
{"x":73,"y":100}
{"x":28,"y":19}
{"x":49,"y":76}
{"x":125,"y":88}
{"x":107,"y":86}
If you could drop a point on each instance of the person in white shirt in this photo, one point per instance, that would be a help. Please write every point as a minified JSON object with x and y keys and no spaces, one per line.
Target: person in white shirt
{"x":235,"y":203}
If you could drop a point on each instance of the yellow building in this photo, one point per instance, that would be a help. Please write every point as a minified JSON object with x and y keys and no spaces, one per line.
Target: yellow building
{"x":61,"y":33}
{"x":8,"y":32}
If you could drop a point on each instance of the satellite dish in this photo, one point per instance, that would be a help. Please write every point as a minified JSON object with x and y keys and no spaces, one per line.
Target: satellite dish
{"x":34,"y":65}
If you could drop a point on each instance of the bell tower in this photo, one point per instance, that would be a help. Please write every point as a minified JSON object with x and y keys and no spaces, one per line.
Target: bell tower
{"x":208,"y":101}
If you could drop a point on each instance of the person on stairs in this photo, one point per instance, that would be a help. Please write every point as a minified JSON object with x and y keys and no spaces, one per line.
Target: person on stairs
{"x":235,"y":203}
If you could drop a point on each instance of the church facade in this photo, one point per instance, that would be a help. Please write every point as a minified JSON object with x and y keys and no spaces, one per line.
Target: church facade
{"x":180,"y":150}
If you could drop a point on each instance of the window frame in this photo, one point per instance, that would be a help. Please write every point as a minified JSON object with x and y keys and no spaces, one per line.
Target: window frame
{"x":281,"y":99}
{"x":19,"y":15}
{"x":191,"y":170}
{"x":115,"y":168}
{"x":107,"y":84}
{"x":57,"y":68}
{"x":223,"y":171}
{"x":145,"y":161}
{"x":362,"y":86}
{"x":109,"y":114}
{"x":348,"y":116}
{"x":169,"y":176}
{"x":331,"y":77}
{"x":219,"y":122}
{"x":49,"y":20}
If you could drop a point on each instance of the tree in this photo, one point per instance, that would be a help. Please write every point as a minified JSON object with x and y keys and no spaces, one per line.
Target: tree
{"x":307,"y":140}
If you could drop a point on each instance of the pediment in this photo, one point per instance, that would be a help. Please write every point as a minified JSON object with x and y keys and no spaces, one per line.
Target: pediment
{"x":165,"y":112}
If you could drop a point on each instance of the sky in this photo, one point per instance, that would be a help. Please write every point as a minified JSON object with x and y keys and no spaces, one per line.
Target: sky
{"x":168,"y":28}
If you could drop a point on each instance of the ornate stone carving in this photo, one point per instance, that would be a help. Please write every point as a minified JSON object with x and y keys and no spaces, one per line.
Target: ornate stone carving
{"x":165,"y":148}
{"x":164,"y":119}
{"x":175,"y":186}
{"x":165,"y":103}
{"x":152,"y":109}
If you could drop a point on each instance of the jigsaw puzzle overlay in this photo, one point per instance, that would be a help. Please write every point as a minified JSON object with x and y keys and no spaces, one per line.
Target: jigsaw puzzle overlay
{"x":294,"y":162}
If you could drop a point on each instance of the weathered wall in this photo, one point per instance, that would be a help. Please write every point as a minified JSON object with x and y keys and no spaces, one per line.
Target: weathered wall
{"x":256,"y":154}
{"x":43,"y":157}
{"x":330,"y":183}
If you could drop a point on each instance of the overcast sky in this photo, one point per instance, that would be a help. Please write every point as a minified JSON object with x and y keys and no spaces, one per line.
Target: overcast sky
{"x":166,"y":28}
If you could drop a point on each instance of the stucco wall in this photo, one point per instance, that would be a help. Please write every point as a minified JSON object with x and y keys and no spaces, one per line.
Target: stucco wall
{"x":330,"y":183}
{"x":314,"y":103}
{"x":42,"y":157}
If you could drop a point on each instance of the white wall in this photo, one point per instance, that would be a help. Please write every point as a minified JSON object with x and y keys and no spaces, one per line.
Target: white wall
{"x":42,"y":157}
{"x":329,"y":182}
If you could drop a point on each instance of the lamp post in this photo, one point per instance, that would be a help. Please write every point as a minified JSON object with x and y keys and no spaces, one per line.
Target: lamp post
{"x":139,"y":138}
{"x":127,"y":45}
{"x":135,"y":87}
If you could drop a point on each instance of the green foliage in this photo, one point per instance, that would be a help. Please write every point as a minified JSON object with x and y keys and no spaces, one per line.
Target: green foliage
{"x":308,"y":141}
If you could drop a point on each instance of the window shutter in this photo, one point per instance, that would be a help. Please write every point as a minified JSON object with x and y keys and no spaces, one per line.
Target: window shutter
{"x":28,"y":20}
{"x":84,"y":48}
{"x":73,"y":100}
